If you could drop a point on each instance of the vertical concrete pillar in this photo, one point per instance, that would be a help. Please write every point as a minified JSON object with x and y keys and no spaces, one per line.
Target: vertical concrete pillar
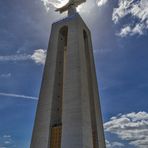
{"x":69,"y":97}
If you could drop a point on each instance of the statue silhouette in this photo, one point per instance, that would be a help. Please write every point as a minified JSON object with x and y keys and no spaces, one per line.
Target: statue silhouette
{"x":72,"y":4}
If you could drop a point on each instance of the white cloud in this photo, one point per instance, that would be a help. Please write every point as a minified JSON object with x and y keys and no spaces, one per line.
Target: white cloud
{"x":128,"y":30}
{"x":54,"y":3}
{"x":137,"y":10}
{"x":114,"y":144}
{"x":117,"y":144}
{"x":122,"y":10}
{"x":16,"y":96}
{"x":108,"y":144}
{"x":39,"y":56}
{"x":84,"y":8}
{"x":132,"y":127}
{"x":125,"y":31}
{"x":101,"y":2}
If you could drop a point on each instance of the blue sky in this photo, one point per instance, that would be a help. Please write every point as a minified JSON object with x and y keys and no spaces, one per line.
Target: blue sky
{"x":120,"y":40}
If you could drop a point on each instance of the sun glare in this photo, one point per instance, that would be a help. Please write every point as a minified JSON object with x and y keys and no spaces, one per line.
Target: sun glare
{"x":55,"y":3}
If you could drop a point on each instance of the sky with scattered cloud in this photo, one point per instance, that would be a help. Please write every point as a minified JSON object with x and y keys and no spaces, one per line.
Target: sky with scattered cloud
{"x":38,"y":56}
{"x":131,"y":127}
{"x":119,"y":31}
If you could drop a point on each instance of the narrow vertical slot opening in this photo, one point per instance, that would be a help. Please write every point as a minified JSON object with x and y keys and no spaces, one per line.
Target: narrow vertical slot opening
{"x":56,"y":113}
{"x":90,"y":90}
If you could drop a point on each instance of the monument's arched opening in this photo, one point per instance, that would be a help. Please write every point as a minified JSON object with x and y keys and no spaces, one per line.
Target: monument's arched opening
{"x":56,"y":113}
{"x":90,"y":85}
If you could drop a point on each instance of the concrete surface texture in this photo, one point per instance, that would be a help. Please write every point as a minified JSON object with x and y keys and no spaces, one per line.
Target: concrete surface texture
{"x":68,"y":112}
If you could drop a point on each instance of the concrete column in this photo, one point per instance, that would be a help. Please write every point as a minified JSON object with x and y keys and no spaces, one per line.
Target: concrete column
{"x":80,"y":111}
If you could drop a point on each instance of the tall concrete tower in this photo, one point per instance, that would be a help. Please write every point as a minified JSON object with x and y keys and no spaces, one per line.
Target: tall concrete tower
{"x":68,"y":112}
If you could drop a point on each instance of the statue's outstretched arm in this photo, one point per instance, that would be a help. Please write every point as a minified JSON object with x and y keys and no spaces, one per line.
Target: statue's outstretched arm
{"x":74,"y":3}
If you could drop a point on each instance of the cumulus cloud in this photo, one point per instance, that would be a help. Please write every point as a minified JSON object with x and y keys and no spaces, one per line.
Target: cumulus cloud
{"x":125,"y":31}
{"x":114,"y":144}
{"x":38,"y":56}
{"x":54,"y":3}
{"x":128,"y":30}
{"x":81,"y":8}
{"x":132,"y":127}
{"x":101,"y":2}
{"x":137,"y":10}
